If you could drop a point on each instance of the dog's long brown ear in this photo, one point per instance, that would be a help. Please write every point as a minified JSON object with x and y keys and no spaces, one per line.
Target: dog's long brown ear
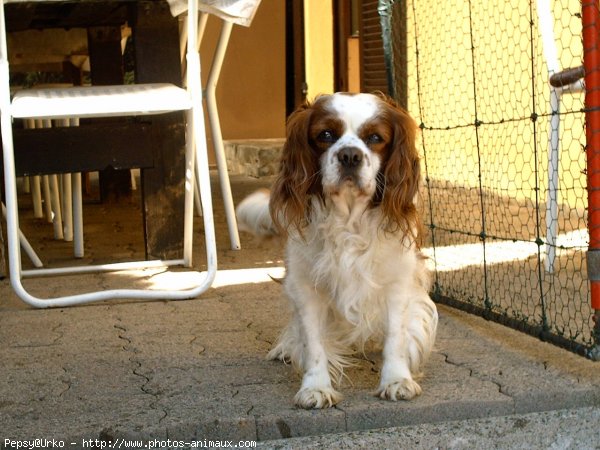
{"x":401,"y":174}
{"x":297,"y":177}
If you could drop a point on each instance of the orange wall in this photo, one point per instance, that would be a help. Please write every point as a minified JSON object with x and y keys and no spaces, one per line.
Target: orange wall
{"x":318,"y":42}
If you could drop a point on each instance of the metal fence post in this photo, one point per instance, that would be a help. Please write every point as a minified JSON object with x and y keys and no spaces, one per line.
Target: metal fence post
{"x":591,"y":61}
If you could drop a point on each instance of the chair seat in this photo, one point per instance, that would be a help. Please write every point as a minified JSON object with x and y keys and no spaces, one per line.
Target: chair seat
{"x":100,"y":101}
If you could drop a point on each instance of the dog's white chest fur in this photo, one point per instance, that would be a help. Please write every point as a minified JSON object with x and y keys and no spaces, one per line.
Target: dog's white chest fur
{"x":351,"y":263}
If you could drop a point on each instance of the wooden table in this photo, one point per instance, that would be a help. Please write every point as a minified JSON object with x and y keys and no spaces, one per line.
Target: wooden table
{"x":155,"y":143}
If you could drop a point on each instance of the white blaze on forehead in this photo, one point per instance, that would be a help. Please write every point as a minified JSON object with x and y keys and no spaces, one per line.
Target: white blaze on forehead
{"x":354,"y":109}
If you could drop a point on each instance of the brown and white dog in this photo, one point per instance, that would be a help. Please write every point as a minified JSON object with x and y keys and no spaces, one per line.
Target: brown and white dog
{"x":345,"y":198}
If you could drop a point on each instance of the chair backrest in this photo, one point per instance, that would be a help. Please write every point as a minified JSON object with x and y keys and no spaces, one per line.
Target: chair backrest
{"x":192,"y":54}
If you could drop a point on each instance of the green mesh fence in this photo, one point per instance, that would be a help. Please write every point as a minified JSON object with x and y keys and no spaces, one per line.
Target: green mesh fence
{"x":504,"y":156}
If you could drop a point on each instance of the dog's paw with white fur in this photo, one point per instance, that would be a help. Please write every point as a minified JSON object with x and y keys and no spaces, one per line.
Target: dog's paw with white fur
{"x":317,"y":398}
{"x":403,"y":389}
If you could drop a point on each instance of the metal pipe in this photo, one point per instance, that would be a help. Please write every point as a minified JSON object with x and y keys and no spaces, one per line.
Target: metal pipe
{"x":591,"y":62}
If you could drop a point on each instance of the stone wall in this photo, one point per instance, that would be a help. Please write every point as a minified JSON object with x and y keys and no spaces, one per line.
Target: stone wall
{"x":255,"y":158}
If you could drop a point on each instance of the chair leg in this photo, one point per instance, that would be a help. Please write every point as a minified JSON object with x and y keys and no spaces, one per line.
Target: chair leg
{"x":47,"y":203}
{"x":36,"y":197}
{"x":192,"y":187}
{"x":553,"y":180}
{"x":197,"y":202}
{"x":25,"y":245}
{"x":77,"y":216}
{"x":215,"y":126}
{"x":67,"y":206}
{"x":197,"y":159}
{"x":77,"y":198}
{"x":134,"y":173}
{"x":183,"y":36}
{"x":56,"y":208}
{"x":34,"y":181}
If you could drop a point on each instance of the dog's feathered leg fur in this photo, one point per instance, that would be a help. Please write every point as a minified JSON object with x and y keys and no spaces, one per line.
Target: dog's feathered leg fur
{"x":409,"y":339}
{"x":303,"y":342}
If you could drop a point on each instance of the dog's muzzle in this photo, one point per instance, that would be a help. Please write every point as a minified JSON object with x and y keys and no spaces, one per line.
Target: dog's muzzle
{"x":350,"y":160}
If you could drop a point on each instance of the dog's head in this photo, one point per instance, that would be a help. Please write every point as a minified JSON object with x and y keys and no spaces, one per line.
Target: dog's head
{"x":349,"y":145}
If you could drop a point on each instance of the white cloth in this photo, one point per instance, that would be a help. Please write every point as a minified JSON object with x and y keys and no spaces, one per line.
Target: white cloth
{"x":240,"y":12}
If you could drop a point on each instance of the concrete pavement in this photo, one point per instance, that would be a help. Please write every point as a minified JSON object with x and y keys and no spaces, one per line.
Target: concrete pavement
{"x":196,"y":370}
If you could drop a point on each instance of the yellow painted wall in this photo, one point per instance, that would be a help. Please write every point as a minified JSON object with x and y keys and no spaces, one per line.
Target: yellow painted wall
{"x":318,"y":31}
{"x":498,"y":70}
{"x":251,"y":89}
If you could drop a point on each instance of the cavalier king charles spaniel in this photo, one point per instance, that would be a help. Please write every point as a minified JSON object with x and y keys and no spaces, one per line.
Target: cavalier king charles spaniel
{"x":345,"y":198}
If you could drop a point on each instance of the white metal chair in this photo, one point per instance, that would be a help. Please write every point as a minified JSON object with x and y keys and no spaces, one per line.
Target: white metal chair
{"x":561,"y":82}
{"x":105,"y":101}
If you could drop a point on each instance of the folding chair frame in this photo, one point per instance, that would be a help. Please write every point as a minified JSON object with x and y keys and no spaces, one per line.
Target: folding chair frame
{"x":196,"y":161}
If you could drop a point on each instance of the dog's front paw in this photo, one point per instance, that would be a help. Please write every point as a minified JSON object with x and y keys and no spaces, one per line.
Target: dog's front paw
{"x":403,"y":389}
{"x":278,"y":355}
{"x":309,"y":398}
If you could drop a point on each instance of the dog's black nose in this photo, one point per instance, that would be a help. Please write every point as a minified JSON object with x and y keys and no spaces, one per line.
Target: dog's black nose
{"x":350,"y":157}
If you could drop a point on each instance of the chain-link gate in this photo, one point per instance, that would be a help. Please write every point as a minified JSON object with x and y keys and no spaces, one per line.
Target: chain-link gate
{"x":504,"y":152}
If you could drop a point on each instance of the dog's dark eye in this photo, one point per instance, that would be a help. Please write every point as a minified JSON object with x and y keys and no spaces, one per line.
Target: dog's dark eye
{"x":374,"y":139}
{"x":327,"y":136}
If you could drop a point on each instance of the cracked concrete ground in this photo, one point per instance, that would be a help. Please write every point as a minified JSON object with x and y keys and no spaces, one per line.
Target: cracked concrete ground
{"x":196,"y":369}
